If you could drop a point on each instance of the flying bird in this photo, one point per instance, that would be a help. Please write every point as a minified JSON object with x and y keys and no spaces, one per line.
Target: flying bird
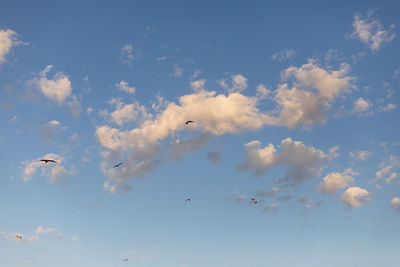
{"x":117,"y":165}
{"x":19,"y":236}
{"x":125,"y":259}
{"x":254,"y":201}
{"x":48,"y":160}
{"x":188,"y":199}
{"x":187,"y":123}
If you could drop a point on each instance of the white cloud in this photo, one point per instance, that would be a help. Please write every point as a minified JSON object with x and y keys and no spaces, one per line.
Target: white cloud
{"x":125,"y":113}
{"x":127,"y":54}
{"x":334,"y":181}
{"x":386,"y":167}
{"x":304,"y":161}
{"x":263,"y":92}
{"x":127,"y":254}
{"x":361,"y":105}
{"x":314,"y":90}
{"x":239,"y":83}
{"x":284,"y":55}
{"x":53,"y":171}
{"x":57,"y":89}
{"x":388,"y":107}
{"x":8,"y":39}
{"x":396,"y":204}
{"x":123,"y":86}
{"x":198,"y":85}
{"x":355,"y":196}
{"x":214,"y":115}
{"x":371,"y":32}
{"x":361,"y":155}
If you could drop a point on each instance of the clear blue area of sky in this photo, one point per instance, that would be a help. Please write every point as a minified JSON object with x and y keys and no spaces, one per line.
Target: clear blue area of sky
{"x":221,"y":39}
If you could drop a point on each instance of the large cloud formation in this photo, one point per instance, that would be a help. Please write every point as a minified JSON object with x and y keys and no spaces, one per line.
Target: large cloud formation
{"x":303,"y":99}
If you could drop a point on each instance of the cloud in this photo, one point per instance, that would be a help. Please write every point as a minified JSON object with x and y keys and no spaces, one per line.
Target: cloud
{"x":388,"y":107}
{"x":74,"y":238}
{"x":270,"y":193}
{"x":8,"y":40}
{"x":53,"y":171}
{"x":396,"y":204}
{"x":284,"y":55}
{"x":361,"y":155}
{"x":236,"y":197}
{"x":308,"y":204}
{"x":198,"y":85}
{"x":304,"y":161}
{"x":313,"y":91}
{"x":371,"y":32}
{"x":178,"y":71}
{"x":128,"y":54}
{"x":123,"y":86}
{"x":214,"y":115}
{"x":239,"y":83}
{"x":385,"y":168}
{"x":40,"y":231}
{"x":125,"y":113}
{"x":334,"y":181}
{"x":50,"y":129}
{"x":273,"y":208}
{"x":360,"y":105}
{"x":178,"y":148}
{"x":263,"y":92}
{"x":355,"y":197}
{"x":58,"y":89}
{"x":214,"y":157}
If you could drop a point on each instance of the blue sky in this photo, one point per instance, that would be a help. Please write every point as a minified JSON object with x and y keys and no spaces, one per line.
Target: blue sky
{"x":295,"y":104}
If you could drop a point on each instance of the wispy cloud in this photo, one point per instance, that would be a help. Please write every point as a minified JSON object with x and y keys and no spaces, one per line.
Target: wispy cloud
{"x":371,"y":32}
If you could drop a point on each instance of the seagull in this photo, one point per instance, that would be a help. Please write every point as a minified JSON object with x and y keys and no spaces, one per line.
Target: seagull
{"x":19,"y":236}
{"x":117,"y":165}
{"x":48,"y":160}
{"x":125,"y":259}
{"x":188,"y":199}
{"x":187,"y":123}
{"x":253,"y":200}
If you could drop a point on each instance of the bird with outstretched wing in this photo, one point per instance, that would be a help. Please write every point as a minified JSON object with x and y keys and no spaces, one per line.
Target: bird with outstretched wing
{"x":48,"y":160}
{"x":117,"y":165}
{"x":187,"y":123}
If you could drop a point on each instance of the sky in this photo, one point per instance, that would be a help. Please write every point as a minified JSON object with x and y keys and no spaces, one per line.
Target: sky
{"x":294,"y":104}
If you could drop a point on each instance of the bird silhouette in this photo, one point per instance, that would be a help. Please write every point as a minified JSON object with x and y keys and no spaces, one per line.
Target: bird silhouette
{"x":254,"y":201}
{"x":48,"y":160}
{"x":117,"y":165}
{"x":125,"y":259}
{"x":19,"y":236}
{"x":187,"y":123}
{"x":188,"y":199}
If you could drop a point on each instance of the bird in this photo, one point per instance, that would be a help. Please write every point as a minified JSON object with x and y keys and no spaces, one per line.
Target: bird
{"x":117,"y":165}
{"x":19,"y":236}
{"x":187,"y":123}
{"x":125,"y":259}
{"x":188,"y":199}
{"x":48,"y":160}
{"x":254,"y":201}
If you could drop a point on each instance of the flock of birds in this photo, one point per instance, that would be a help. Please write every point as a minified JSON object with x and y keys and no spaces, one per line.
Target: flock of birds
{"x":46,"y":161}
